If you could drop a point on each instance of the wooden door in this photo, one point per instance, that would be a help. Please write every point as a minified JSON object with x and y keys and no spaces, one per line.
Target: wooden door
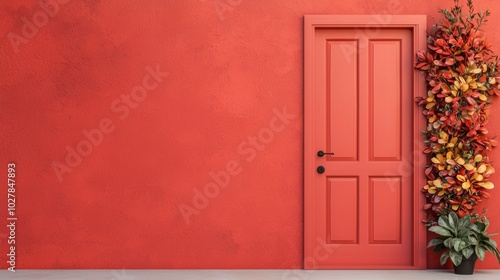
{"x":360,"y":201}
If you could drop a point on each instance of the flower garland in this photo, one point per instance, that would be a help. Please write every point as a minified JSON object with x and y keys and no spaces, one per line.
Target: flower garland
{"x":462,"y":76}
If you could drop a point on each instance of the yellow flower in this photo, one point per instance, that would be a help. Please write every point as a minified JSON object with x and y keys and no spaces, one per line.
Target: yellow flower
{"x":465,"y":182}
{"x":436,"y":185}
{"x":440,"y":161}
{"x":431,"y":101}
{"x":476,"y":175}
{"x":444,"y":140}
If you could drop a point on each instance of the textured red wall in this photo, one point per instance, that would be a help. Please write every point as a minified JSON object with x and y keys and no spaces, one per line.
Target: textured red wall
{"x":226,"y":120}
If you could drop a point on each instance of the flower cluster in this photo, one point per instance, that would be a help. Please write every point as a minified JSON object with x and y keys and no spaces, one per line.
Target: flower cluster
{"x":462,"y":76}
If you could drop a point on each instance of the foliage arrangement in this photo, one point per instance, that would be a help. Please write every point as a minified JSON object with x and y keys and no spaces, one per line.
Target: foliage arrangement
{"x":462,"y":237}
{"x":462,"y":77}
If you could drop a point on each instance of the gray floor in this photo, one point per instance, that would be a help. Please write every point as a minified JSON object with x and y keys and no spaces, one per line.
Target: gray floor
{"x":246,"y":274}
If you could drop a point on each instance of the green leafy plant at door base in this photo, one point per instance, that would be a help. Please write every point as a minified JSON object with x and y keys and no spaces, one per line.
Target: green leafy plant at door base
{"x":462,"y":237}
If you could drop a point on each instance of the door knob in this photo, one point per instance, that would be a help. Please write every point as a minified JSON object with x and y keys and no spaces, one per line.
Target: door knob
{"x":321,"y":153}
{"x":320,"y":169}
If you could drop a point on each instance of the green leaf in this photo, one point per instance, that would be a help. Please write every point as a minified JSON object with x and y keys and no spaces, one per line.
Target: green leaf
{"x":453,"y":220}
{"x":492,"y":242}
{"x":453,"y":242}
{"x":444,"y":257}
{"x":439,"y":248}
{"x":464,"y":222}
{"x":440,"y":230}
{"x":448,"y":242}
{"x":434,"y":242}
{"x":463,"y":231}
{"x":486,"y":223}
{"x":467,"y":252}
{"x":443,"y":222}
{"x":496,"y":252}
{"x":490,"y":249}
{"x":480,"y":252}
{"x":490,"y":245}
{"x":475,"y":228}
{"x":472,"y":240}
{"x":456,"y":258}
{"x":481,"y":227}
{"x":459,"y":245}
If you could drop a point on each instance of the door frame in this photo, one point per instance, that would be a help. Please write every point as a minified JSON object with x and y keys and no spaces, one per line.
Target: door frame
{"x":417,"y":24}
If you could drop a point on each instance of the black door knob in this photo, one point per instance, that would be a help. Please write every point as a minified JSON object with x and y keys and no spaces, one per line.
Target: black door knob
{"x":321,"y":153}
{"x":320,"y":169}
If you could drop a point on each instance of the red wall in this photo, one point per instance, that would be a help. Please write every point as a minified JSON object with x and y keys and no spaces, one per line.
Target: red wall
{"x":233,"y":67}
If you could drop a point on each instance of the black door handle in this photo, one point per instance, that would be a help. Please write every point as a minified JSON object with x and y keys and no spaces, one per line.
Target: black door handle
{"x":320,"y":169}
{"x":321,"y":153}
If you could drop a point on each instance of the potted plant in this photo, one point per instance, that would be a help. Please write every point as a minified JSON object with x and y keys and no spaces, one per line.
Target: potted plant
{"x":464,"y":240}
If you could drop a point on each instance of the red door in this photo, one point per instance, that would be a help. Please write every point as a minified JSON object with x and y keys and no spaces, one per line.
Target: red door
{"x":360,"y":201}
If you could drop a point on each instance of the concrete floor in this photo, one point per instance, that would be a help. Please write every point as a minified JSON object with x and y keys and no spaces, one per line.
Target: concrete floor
{"x":246,"y":275}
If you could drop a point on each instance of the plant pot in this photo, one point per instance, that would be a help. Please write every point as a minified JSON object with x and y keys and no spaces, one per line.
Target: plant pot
{"x":467,"y":266}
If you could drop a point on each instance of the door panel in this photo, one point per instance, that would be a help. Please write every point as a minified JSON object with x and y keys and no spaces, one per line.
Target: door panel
{"x":342,"y":208}
{"x":385,"y":90}
{"x":342,"y":73}
{"x":385,"y":218}
{"x":362,"y":205}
